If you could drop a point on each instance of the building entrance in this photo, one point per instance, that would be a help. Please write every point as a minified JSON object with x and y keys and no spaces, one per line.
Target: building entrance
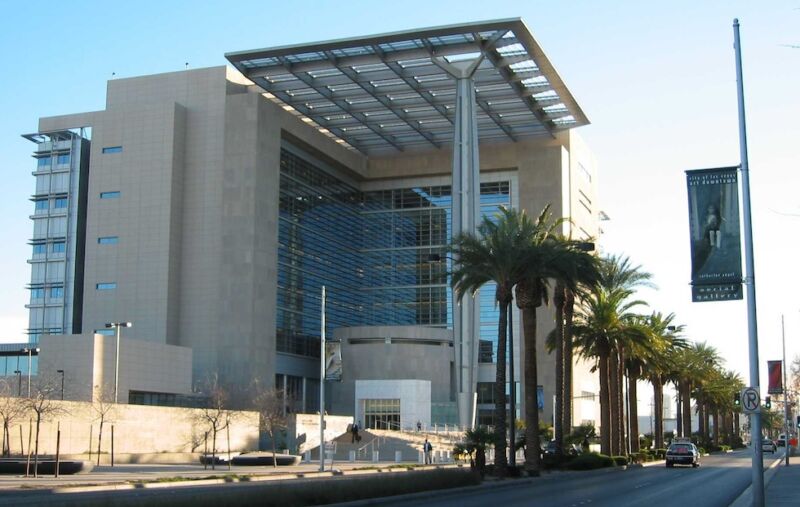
{"x":382,"y":414}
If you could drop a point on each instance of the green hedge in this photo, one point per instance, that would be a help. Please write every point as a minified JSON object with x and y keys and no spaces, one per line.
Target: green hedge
{"x":591,"y":461}
{"x":620,"y":460}
{"x":661,"y":453}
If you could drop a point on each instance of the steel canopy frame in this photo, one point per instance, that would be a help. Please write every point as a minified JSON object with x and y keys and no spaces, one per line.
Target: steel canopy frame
{"x":384,"y":93}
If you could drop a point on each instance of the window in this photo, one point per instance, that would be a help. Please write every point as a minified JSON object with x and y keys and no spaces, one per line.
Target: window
{"x":59,"y":247}
{"x":108,"y":240}
{"x":39,"y":248}
{"x":63,"y":159}
{"x":56,"y":292}
{"x":106,"y":286}
{"x":37,"y":293}
{"x":41,"y":205}
{"x":43,"y":162}
{"x":112,"y":149}
{"x":109,"y":195}
{"x":104,"y":332}
{"x":61,"y":202}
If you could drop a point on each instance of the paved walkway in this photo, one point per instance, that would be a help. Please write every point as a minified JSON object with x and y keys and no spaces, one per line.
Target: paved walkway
{"x":784,"y":487}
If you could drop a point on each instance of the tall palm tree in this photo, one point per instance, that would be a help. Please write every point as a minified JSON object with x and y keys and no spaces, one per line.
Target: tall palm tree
{"x":583,"y":274}
{"x":694,"y":365}
{"x":499,"y":254}
{"x":602,"y":330}
{"x":548,"y":257}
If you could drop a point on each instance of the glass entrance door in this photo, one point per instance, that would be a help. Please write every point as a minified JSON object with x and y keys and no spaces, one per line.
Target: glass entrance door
{"x":382,"y":414}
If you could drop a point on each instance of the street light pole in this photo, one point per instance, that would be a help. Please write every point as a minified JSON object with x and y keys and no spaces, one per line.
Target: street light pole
{"x":750,"y":280}
{"x":785,"y":397}
{"x":30,"y":360}
{"x":117,"y":326}
{"x":18,"y":373}
{"x":62,"y":383}
{"x":322,"y":386}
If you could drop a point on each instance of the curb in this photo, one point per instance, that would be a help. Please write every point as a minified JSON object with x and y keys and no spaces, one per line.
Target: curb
{"x":745,"y":499}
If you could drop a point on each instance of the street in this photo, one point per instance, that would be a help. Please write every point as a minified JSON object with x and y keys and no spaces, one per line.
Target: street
{"x":717,"y":483}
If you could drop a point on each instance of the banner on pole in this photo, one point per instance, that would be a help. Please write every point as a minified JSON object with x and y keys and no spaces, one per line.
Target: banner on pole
{"x":775,"y":369}
{"x":715,"y":234}
{"x":333,"y":360}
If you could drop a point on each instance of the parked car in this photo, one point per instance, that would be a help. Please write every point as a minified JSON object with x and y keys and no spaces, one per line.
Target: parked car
{"x":683,"y":453}
{"x":781,"y":442}
{"x":768,"y":445}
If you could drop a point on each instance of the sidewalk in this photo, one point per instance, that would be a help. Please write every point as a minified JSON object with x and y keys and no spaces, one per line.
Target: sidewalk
{"x":784,"y":488}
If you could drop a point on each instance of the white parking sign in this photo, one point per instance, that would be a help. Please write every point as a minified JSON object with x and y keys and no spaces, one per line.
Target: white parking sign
{"x":751,"y":399}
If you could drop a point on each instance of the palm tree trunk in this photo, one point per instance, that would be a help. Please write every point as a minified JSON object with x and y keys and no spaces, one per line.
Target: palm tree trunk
{"x":622,"y":423}
{"x":658,"y":409}
{"x":613,"y":369}
{"x":634,"y":412}
{"x":678,"y":417}
{"x":687,"y":409}
{"x":605,"y":404}
{"x":701,"y":428}
{"x":736,"y":429}
{"x":500,"y":447}
{"x":558,"y":431}
{"x":531,"y":382}
{"x":569,"y":307}
{"x":716,"y":426}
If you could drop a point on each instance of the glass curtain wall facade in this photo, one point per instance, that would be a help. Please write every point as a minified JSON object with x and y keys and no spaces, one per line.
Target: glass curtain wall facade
{"x":380,"y":254}
{"x":56,"y":287}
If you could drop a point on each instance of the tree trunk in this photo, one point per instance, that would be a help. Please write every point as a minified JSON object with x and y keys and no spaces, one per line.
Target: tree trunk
{"x":613,"y":369}
{"x":530,"y":379}
{"x":658,"y":412}
{"x":605,"y":404}
{"x":716,"y":426}
{"x":36,"y":451}
{"x":622,"y":423}
{"x":736,"y":429}
{"x":99,"y":441}
{"x":686,"y":398}
{"x":634,"y":412}
{"x":569,"y":308}
{"x":678,"y":417}
{"x":558,"y":431}
{"x":500,"y":447}
{"x":275,"y":459}
{"x":214,"y":447}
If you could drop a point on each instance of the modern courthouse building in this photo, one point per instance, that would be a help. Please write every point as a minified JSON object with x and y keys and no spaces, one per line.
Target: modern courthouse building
{"x":208,"y":207}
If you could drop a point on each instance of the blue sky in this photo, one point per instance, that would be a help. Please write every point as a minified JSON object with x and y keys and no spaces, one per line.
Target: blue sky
{"x":656,"y":80}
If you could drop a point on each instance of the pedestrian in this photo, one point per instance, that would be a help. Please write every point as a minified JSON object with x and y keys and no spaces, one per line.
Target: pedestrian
{"x":354,"y":432}
{"x":419,"y":425}
{"x":427,"y":449}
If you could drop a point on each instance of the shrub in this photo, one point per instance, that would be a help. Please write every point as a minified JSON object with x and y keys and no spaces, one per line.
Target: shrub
{"x":725,"y":448}
{"x":661,"y":453}
{"x":702,"y":451}
{"x":620,"y":460}
{"x":590,"y":461}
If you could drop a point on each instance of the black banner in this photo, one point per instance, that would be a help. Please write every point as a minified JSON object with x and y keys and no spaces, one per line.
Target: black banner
{"x":715,"y":234}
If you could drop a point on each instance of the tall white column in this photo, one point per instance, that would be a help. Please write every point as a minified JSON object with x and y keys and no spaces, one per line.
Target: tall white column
{"x":466,"y":214}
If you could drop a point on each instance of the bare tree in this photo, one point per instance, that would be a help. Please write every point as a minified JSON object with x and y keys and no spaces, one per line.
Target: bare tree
{"x":11,"y":409}
{"x":44,"y":406}
{"x":215,"y":415}
{"x":103,"y":407}
{"x":268,"y":402}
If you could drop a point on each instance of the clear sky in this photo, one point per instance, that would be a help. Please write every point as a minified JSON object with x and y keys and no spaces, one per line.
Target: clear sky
{"x":656,"y":80}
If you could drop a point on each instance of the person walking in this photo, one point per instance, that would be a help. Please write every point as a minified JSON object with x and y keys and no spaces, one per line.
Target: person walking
{"x":354,"y":433}
{"x":427,"y":449}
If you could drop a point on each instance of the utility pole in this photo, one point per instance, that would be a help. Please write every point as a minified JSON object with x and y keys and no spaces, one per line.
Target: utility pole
{"x":750,"y":281}
{"x":322,"y":386}
{"x":785,"y":397}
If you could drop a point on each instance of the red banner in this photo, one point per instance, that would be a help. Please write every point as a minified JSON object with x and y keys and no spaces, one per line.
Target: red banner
{"x":775,"y":377}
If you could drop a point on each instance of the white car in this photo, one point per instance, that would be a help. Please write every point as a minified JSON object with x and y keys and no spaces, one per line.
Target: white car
{"x":768,"y":445}
{"x":683,"y":453}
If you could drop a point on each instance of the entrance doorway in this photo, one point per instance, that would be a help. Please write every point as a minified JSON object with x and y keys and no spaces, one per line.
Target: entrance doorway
{"x":382,"y":414}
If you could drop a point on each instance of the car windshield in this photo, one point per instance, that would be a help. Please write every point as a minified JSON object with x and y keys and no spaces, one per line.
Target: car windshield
{"x":680,"y":448}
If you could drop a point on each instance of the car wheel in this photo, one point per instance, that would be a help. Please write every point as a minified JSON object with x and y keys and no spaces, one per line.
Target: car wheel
{"x":695,"y":465}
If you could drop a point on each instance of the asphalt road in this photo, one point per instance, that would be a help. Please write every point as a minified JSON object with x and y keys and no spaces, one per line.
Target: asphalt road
{"x":717,"y":483}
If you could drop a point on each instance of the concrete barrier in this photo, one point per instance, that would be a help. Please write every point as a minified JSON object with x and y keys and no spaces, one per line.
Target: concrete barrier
{"x":352,"y":456}
{"x":398,"y":456}
{"x":376,"y":456}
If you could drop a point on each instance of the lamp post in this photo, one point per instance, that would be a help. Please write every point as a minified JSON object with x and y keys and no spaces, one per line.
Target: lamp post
{"x":18,"y":373}
{"x":62,"y":383}
{"x":30,"y":352}
{"x":117,"y":326}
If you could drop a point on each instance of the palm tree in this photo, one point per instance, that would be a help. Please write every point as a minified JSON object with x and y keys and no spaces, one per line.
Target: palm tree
{"x":605,"y":325}
{"x":498,"y":254}
{"x":583,"y":274}
{"x":694,"y":365}
{"x":548,"y":257}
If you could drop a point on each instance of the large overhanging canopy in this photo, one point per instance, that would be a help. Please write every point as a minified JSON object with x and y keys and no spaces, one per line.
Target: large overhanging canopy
{"x":385,"y":93}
